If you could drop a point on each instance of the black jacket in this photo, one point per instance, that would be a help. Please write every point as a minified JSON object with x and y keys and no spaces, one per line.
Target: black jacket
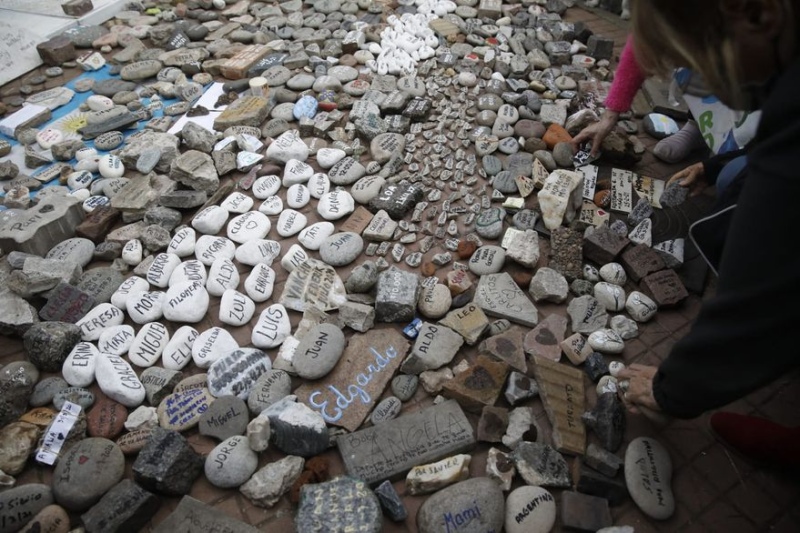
{"x":744,"y":337}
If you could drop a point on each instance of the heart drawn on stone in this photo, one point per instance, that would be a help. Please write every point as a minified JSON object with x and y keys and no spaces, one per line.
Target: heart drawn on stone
{"x":82,"y":459}
{"x":546,"y":337}
{"x":480,"y":379}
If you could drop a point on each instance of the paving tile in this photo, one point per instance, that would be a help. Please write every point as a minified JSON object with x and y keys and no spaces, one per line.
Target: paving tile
{"x":718,"y":467}
{"x":695,"y":492}
{"x":724,"y":517}
{"x":757,"y":505}
{"x":689,"y":437}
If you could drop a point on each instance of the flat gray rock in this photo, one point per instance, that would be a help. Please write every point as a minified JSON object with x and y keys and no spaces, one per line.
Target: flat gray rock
{"x":474,"y":506}
{"x":319,"y":351}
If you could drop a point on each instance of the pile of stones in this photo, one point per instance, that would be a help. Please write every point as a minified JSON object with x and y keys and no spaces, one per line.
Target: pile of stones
{"x":303,"y":267}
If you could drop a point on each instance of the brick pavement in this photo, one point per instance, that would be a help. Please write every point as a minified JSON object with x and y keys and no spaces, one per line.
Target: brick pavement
{"x":716,"y":491}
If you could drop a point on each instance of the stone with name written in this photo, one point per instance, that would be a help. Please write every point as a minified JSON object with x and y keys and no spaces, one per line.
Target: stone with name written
{"x":388,"y":409}
{"x":225,"y":417}
{"x":498,"y":295}
{"x":359,"y":509}
{"x":78,"y":367}
{"x":428,"y":478}
{"x":561,"y":197}
{"x":610,"y":296}
{"x":346,"y":172}
{"x":640,"y":261}
{"x":167,"y":464}
{"x":289,"y":145}
{"x":186,"y":301}
{"x":479,"y":385}
{"x":290,"y":222}
{"x":640,"y":306}
{"x":20,"y":504}
{"x":272,"y":327}
{"x":126,"y":507}
{"x":341,"y":249}
{"x":562,"y":392}
{"x":159,"y":383}
{"x":210,"y":220}
{"x":272,"y":386}
{"x":161,"y":269}
{"x":118,"y":381}
{"x":106,"y":419}
{"x":346,"y":395}
{"x":665,"y":288}
{"x":236,"y":372}
{"x":116,"y":340}
{"x":100,"y":283}
{"x":191,"y":270}
{"x":145,"y":307}
{"x":178,"y":351}
{"x":648,"y":475}
{"x":209,"y":248}
{"x":381,"y":227}
{"x":76,"y":250}
{"x":245,"y":111}
{"x":434,"y":347}
{"x":40,"y":227}
{"x":576,"y":348}
{"x":319,"y":351}
{"x":470,"y":322}
{"x":231,"y":463}
{"x":335,"y":205}
{"x":530,"y":510}
{"x":86,"y":471}
{"x":183,"y":242}
{"x":212,"y":344}
{"x":473,"y":506}
{"x":397,"y":199}
{"x":586,"y":314}
{"x":248,"y":226}
{"x":66,"y":303}
{"x":313,"y":284}
{"x":259,"y":283}
{"x":222,"y":276}
{"x":257,"y":252}
{"x":148,"y":345}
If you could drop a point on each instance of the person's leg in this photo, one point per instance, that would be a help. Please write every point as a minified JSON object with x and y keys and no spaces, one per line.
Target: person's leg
{"x":676,"y":148}
{"x":759,"y":440}
{"x":729,"y":173}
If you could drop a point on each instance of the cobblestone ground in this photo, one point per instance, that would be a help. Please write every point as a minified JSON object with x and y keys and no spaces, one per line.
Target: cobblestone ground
{"x":716,"y":490}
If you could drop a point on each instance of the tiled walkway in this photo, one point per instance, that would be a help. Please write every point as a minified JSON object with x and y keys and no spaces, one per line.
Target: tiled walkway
{"x":716,"y":491}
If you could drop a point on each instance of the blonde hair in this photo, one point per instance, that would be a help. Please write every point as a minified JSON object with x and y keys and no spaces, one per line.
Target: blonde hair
{"x":668,"y":34}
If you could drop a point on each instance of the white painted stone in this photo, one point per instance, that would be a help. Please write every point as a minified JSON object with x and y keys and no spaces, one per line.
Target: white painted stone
{"x":298,"y":196}
{"x":110,"y":166}
{"x":144,"y":307}
{"x":132,"y":252}
{"x":183,"y":242}
{"x":606,"y":341}
{"x":611,"y":273}
{"x":293,"y":258}
{"x":314,"y":235}
{"x":291,"y":222}
{"x":235,"y":308}
{"x":237,"y":202}
{"x":118,"y":380}
{"x":98,"y":319}
{"x":640,"y":306}
{"x":116,"y":340}
{"x":210,"y":220}
{"x":296,"y":172}
{"x":272,"y":328}
{"x":212,"y":344}
{"x":191,"y":270}
{"x":319,"y":185}
{"x":260,"y":282}
{"x":149,"y":344}
{"x":222,"y":276}
{"x":186,"y":302}
{"x":260,"y":251}
{"x":335,"y":205}
{"x":49,"y":137}
{"x":161,"y":269}
{"x":327,"y":157}
{"x":178,"y":351}
{"x":273,"y":205}
{"x":210,"y":248}
{"x":561,"y":197}
{"x":610,"y":296}
{"x":266,"y":186}
{"x":130,"y":286}
{"x":98,"y":102}
{"x":78,"y":367}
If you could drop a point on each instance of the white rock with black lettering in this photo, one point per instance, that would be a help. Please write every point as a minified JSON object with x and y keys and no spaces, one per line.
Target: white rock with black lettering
{"x":640,"y":306}
{"x":296,"y":172}
{"x":161,"y":269}
{"x":272,"y":205}
{"x":144,"y":307}
{"x":610,"y":296}
{"x":110,"y":166}
{"x":291,"y":222}
{"x":116,"y":340}
{"x":183,"y":242}
{"x":266,"y":186}
{"x":319,"y":185}
{"x":327,"y":157}
{"x":191,"y":270}
{"x":222,"y":276}
{"x":314,"y":235}
{"x":132,"y":285}
{"x":149,"y":344}
{"x":257,"y":252}
{"x":186,"y":302}
{"x":178,"y":351}
{"x":272,"y":328}
{"x":231,"y":463}
{"x":606,"y":341}
{"x":293,"y":258}
{"x":237,"y":202}
{"x":235,"y":308}
{"x":132,"y":252}
{"x":98,"y":319}
{"x":335,"y":205}
{"x":298,"y":196}
{"x":248,"y":226}
{"x":236,"y":372}
{"x":212,"y":344}
{"x":210,"y":220}
{"x":118,"y":380}
{"x":78,"y":368}
{"x":210,"y":248}
{"x":259,"y":283}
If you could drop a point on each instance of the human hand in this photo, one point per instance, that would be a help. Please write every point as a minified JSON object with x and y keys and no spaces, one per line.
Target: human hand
{"x":692,"y":177}
{"x":596,"y":132}
{"x":639,"y":389}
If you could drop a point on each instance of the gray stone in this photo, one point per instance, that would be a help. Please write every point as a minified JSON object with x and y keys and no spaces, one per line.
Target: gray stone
{"x":100,"y":283}
{"x":48,"y":344}
{"x":474,"y":506}
{"x":296,"y":429}
{"x":541,"y":465}
{"x":191,"y":514}
{"x":359,"y":511}
{"x":587,"y":315}
{"x":362,"y":278}
{"x":648,"y":475}
{"x":341,"y":249}
{"x":236,"y":372}
{"x":318,"y":351}
{"x":126,"y":507}
{"x":76,"y":395}
{"x":45,"y":391}
{"x":396,"y":199}
{"x":231,"y":463}
{"x":520,"y":387}
{"x":17,"y":380}
{"x":602,"y":460}
{"x":20,"y":504}
{"x":42,"y":226}
{"x":268,"y":484}
{"x":226,"y":417}
{"x":159,"y":383}
{"x":498,"y":295}
{"x":607,"y":420}
{"x":391,"y":502}
{"x":449,"y":433}
{"x":404,"y":386}
{"x":86,"y":471}
{"x":435,"y":346}
{"x":272,"y":386}
{"x":76,"y":250}
{"x":489,"y":223}
{"x":387,"y":409}
{"x":487,"y":260}
{"x":196,"y":170}
{"x":167,"y":464}
{"x":396,"y":296}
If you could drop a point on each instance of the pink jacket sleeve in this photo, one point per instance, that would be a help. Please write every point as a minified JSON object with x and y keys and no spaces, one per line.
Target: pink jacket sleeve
{"x":628,"y":79}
